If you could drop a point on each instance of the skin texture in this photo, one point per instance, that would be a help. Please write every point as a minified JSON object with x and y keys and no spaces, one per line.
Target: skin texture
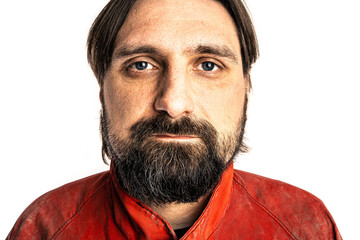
{"x":174,"y":38}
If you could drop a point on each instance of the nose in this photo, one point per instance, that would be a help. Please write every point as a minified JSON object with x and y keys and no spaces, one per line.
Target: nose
{"x":174,"y":96}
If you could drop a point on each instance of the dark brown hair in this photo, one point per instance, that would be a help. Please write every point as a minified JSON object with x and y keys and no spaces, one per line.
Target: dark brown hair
{"x":103,"y":33}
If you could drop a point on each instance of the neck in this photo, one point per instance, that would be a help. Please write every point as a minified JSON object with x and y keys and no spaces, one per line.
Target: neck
{"x":181,"y":215}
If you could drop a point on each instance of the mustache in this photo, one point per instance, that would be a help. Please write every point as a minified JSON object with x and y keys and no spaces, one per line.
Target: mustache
{"x":162,"y":124}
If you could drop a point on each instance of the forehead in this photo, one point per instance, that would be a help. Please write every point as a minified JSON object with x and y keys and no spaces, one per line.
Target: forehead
{"x":178,"y":24}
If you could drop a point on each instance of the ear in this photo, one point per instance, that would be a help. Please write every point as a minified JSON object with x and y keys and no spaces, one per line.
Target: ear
{"x":247,"y":78}
{"x":101,"y":96}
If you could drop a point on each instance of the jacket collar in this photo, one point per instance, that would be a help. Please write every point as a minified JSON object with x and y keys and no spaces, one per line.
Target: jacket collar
{"x":138,"y":221}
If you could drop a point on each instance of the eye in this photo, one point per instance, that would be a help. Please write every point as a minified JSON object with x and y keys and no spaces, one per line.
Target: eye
{"x":141,"y":66}
{"x":207,"y":66}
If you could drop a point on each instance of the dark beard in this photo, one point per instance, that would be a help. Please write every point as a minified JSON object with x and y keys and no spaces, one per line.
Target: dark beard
{"x":164,"y":172}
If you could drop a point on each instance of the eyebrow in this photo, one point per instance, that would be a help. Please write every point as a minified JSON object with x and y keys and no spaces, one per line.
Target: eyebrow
{"x":221,"y":51}
{"x":128,"y":50}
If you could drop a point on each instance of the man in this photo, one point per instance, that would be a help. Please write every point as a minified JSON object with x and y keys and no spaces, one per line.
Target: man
{"x":174,"y":80}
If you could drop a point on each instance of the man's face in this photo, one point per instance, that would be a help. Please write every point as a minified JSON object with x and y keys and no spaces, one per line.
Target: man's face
{"x":176,"y":59}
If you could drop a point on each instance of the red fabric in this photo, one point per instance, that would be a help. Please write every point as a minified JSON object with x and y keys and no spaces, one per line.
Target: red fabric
{"x":243,"y":206}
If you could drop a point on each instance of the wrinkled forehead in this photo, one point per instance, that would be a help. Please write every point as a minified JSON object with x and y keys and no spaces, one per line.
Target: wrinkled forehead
{"x":176,"y":25}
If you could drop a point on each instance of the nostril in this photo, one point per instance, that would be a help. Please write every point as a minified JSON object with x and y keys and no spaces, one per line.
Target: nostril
{"x":173,"y":96}
{"x":174,"y":105}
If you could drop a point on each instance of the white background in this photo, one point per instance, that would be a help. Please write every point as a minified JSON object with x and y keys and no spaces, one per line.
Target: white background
{"x":304,"y":112}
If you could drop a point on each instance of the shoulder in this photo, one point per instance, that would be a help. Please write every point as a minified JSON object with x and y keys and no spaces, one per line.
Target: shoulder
{"x":296,"y":210}
{"x":51,"y":211}
{"x":265,"y":189}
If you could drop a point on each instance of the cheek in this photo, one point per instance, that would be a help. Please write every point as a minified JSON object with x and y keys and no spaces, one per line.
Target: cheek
{"x":125,"y":106}
{"x":223,"y":107}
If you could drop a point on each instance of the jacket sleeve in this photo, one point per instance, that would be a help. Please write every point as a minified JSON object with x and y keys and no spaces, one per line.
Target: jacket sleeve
{"x":41,"y":219}
{"x":28,"y":226}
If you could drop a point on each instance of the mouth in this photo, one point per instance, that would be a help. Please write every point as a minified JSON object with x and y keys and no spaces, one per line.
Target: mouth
{"x":174,"y":137}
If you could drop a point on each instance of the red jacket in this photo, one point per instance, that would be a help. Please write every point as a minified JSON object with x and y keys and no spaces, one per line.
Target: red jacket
{"x":243,"y":206}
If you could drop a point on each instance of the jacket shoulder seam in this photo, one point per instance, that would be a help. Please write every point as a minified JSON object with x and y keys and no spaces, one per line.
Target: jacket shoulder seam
{"x":272,"y":215}
{"x":69,"y":220}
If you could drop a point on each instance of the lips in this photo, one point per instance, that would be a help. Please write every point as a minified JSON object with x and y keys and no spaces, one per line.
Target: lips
{"x":175,"y":137}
